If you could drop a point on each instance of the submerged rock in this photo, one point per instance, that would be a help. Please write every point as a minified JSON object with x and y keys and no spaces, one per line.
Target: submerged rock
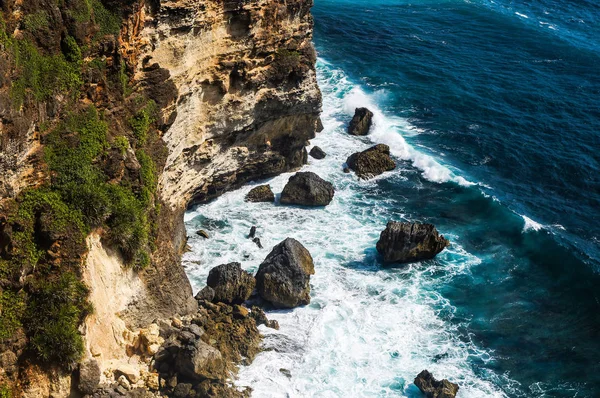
{"x":284,"y":277}
{"x":261,"y":193}
{"x":308,"y":189}
{"x":317,"y":153}
{"x":371,"y":162}
{"x":361,"y":122}
{"x":231,"y":284}
{"x":258,"y":243}
{"x":433,"y":388}
{"x":403,"y":242}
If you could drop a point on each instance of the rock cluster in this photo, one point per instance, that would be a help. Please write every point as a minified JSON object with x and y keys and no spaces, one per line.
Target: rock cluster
{"x":403,"y":242}
{"x":433,"y":388}
{"x":261,"y":193}
{"x":307,"y":189}
{"x":361,"y":122}
{"x":283,"y":278}
{"x":371,"y":162}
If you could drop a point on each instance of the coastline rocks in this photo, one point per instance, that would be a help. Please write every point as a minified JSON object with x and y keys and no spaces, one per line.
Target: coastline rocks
{"x":403,"y":242}
{"x":207,"y":293}
{"x":371,"y":162}
{"x":307,"y":189}
{"x":284,"y":277}
{"x":261,"y":318}
{"x":261,"y":193}
{"x":231,"y":284}
{"x":317,"y":153}
{"x":361,"y":122}
{"x":433,"y":388}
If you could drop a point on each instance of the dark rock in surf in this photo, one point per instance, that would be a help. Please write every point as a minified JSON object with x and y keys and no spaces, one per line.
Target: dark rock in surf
{"x":232,"y":285}
{"x":371,"y":162}
{"x":257,"y":241}
{"x":433,"y":388}
{"x":261,"y":318}
{"x":361,"y":122}
{"x":252,"y":233}
{"x":319,"y":126}
{"x":202,"y":233}
{"x":261,"y":193}
{"x":317,"y":153}
{"x":307,"y":189}
{"x":284,"y":277}
{"x":403,"y":242}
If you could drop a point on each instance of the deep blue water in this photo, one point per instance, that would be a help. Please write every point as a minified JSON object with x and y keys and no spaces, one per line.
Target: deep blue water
{"x":507,"y":95}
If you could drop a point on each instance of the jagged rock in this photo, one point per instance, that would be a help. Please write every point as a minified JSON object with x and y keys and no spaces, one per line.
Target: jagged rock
{"x":319,"y":127}
{"x":207,"y":293}
{"x":286,"y":373}
{"x":131,"y":373}
{"x":252,"y":233}
{"x":283,"y":278}
{"x":149,"y":340}
{"x":403,"y":242}
{"x":200,"y":361}
{"x":307,"y":189}
{"x":433,"y":388}
{"x":361,"y":122}
{"x":202,"y":233}
{"x":317,"y":153}
{"x":232,"y":285}
{"x":372,"y":161}
{"x":261,"y":193}
{"x":89,"y":376}
{"x":261,"y":318}
{"x":258,"y":243}
{"x":182,"y":390}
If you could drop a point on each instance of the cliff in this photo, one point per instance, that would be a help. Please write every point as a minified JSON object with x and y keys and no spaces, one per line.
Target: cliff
{"x":115,"y":115}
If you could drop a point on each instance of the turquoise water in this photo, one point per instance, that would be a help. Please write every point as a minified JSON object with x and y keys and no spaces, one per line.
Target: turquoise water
{"x":491,"y":110}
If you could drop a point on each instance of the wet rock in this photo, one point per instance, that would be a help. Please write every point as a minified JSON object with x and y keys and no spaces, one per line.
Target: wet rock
{"x":232,"y":285}
{"x":252,"y":233}
{"x":371,"y":162}
{"x":307,"y":189}
{"x":261,"y":193}
{"x":89,"y":376}
{"x":361,"y":122}
{"x":433,"y":388}
{"x":283,"y":278}
{"x":207,"y":293}
{"x":257,"y":241}
{"x":202,"y":233}
{"x":286,"y":373}
{"x":260,"y":318}
{"x":403,"y":242}
{"x":317,"y":153}
{"x":319,"y":127}
{"x":346,"y":170}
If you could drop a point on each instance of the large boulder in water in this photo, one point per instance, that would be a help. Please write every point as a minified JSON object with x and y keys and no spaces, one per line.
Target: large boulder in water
{"x":317,"y":153}
{"x":231,"y":284}
{"x":307,"y":189}
{"x":261,"y":193}
{"x":372,"y":161}
{"x":403,"y":242}
{"x":433,"y":388}
{"x":284,"y":277}
{"x":361,"y":122}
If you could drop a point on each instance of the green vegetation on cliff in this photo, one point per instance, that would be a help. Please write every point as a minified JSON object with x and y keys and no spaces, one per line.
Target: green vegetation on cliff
{"x":101,"y":174}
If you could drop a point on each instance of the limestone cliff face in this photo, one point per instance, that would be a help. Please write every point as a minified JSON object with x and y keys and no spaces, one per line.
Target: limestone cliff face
{"x":248,"y":98}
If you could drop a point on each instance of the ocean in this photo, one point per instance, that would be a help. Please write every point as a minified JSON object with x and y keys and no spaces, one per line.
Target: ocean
{"x":492,"y":112}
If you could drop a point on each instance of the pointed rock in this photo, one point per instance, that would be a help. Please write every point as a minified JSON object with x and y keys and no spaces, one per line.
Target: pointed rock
{"x":403,"y":242}
{"x":361,"y":122}
{"x":308,"y":189}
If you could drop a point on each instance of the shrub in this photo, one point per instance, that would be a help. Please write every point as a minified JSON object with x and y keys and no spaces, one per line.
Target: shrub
{"x":55,"y":310}
{"x":12,"y":307}
{"x":36,"y":21}
{"x":142,"y":121}
{"x":121,"y":143}
{"x":71,"y":50}
{"x":148,"y":176}
{"x":5,"y":392}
